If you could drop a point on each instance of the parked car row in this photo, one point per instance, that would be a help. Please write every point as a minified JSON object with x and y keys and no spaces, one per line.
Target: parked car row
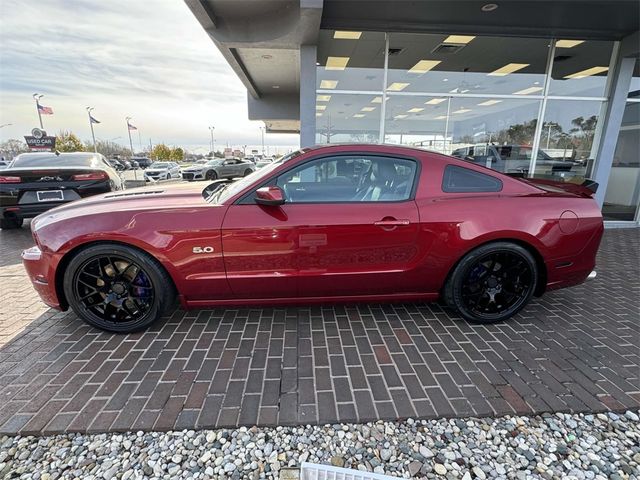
{"x":219,"y":168}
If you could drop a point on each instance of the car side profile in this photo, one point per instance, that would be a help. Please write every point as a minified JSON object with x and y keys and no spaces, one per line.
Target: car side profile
{"x":323,"y":224}
{"x":219,"y":168}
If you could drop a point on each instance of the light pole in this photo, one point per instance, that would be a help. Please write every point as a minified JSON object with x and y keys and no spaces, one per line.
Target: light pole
{"x":211,"y":129}
{"x":37,"y":98}
{"x":262,"y":134}
{"x":129,"y":132}
{"x":93,"y":135}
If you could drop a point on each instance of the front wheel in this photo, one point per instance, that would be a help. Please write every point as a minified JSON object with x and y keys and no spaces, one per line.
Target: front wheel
{"x":492,"y":283}
{"x":211,"y":175}
{"x":248,"y":171}
{"x":117,"y":288}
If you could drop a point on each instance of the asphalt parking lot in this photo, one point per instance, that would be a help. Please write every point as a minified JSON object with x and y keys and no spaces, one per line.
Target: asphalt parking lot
{"x":574,"y":350}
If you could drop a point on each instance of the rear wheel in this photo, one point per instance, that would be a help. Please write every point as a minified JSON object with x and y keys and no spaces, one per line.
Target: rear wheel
{"x":211,"y":175}
{"x":117,"y":288}
{"x":8,"y":223}
{"x":492,"y":283}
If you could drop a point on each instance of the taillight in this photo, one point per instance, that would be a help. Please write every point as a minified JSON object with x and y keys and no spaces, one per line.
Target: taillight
{"x":10,"y":179}
{"x":91,"y":176}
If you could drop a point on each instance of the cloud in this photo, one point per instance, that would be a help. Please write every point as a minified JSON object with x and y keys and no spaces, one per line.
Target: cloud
{"x":147,"y":59}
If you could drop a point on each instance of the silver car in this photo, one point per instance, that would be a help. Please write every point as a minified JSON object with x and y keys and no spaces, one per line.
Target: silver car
{"x":162,"y":171}
{"x":219,"y":168}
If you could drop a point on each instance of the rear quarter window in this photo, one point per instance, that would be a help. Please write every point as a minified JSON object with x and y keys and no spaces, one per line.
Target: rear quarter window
{"x":464,"y":180}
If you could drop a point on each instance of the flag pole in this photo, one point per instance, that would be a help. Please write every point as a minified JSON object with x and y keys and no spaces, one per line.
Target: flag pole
{"x":37,"y":97}
{"x":129,"y":132}
{"x":93,"y":135}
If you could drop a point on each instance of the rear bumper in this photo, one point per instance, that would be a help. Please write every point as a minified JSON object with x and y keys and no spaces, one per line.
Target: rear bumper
{"x":29,"y":210}
{"x":36,"y":266}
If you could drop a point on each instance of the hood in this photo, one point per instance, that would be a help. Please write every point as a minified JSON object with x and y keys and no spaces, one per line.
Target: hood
{"x":176,"y":196}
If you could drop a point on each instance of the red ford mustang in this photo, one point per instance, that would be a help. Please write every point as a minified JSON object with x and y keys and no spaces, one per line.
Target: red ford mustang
{"x":332,"y":223}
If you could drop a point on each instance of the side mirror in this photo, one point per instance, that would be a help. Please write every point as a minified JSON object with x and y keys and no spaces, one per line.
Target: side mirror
{"x":269,"y":196}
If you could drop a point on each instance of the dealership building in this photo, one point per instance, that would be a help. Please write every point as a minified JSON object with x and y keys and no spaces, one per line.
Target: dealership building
{"x":542,"y":88}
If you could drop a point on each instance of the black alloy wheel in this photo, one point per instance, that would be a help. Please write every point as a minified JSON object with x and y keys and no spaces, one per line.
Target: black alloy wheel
{"x":492,"y":283}
{"x":117,"y":288}
{"x":211,"y":175}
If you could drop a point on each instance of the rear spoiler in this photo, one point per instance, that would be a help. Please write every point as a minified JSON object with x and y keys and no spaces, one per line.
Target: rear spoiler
{"x":587,"y":188}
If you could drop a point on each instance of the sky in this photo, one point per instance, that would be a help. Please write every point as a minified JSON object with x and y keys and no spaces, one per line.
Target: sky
{"x":147,"y":59}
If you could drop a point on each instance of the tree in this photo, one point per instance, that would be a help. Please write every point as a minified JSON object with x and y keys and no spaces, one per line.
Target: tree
{"x":160,"y":152}
{"x":12,"y":147}
{"x":177,"y":154}
{"x":108,"y":148}
{"x":68,"y":142}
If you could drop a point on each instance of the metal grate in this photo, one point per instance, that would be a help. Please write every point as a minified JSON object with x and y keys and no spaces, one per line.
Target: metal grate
{"x":312,"y":471}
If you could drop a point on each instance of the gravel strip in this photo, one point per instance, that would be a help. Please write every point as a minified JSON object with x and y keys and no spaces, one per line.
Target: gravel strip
{"x":597,"y":446}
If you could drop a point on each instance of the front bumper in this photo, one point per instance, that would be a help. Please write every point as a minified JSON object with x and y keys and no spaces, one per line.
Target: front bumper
{"x":37,"y":268}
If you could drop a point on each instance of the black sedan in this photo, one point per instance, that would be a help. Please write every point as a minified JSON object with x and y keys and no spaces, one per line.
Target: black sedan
{"x":37,"y":182}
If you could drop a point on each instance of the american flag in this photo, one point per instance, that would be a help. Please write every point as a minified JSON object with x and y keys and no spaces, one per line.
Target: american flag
{"x":45,"y":110}
{"x":93,"y":120}
{"x":131,"y":127}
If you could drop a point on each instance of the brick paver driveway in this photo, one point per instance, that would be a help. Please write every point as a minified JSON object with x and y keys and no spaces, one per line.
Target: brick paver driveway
{"x":573,"y":350}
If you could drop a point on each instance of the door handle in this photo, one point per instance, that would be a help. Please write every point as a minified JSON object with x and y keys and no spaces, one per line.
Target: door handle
{"x":391,"y":222}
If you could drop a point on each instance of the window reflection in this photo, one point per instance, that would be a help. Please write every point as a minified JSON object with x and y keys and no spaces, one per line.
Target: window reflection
{"x":466,"y":64}
{"x":342,"y":118}
{"x":580,"y":68}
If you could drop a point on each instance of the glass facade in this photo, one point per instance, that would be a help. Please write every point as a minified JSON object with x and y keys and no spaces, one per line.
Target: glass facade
{"x":623,"y":190}
{"x":519,"y":105}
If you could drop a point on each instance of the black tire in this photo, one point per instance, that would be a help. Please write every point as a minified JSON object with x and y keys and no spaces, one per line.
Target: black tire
{"x":10,"y":223}
{"x":211,"y":175}
{"x":492,"y":283}
{"x":248,"y":171}
{"x":90,"y":282}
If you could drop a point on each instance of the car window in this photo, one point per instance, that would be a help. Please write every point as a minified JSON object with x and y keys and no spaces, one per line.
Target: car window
{"x":349,"y":179}
{"x":459,"y":180}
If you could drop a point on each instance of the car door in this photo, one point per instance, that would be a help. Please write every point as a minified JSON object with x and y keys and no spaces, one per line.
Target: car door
{"x":348,"y":227}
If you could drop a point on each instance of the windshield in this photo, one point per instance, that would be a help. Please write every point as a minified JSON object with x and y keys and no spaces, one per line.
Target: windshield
{"x":159,"y":165}
{"x":213,"y":162}
{"x":27,"y":160}
{"x":226,"y":191}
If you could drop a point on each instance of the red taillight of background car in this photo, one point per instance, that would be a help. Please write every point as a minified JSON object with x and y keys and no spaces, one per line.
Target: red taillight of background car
{"x":4,"y":179}
{"x":91,"y":176}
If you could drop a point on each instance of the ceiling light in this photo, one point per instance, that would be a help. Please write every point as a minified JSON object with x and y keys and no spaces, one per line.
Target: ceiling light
{"x":459,"y":39}
{"x":397,"y":117}
{"x":588,"y":72}
{"x":358,"y":115}
{"x":336,"y":63}
{"x":367,"y":109}
{"x":488,"y":103}
{"x":397,"y":86}
{"x":568,"y":43}
{"x":527,"y":91}
{"x":489,"y":7}
{"x":435,"y":101}
{"x":344,"y":35}
{"x":440,"y":117}
{"x":423,"y":66}
{"x":445,"y":79}
{"x":415,"y":110}
{"x":267,"y":57}
{"x":321,"y":107}
{"x":463,"y":110}
{"x":318,"y":114}
{"x":377,"y":100}
{"x":323,"y":98}
{"x":329,"y":84}
{"x":275,"y":86}
{"x":507,"y":69}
